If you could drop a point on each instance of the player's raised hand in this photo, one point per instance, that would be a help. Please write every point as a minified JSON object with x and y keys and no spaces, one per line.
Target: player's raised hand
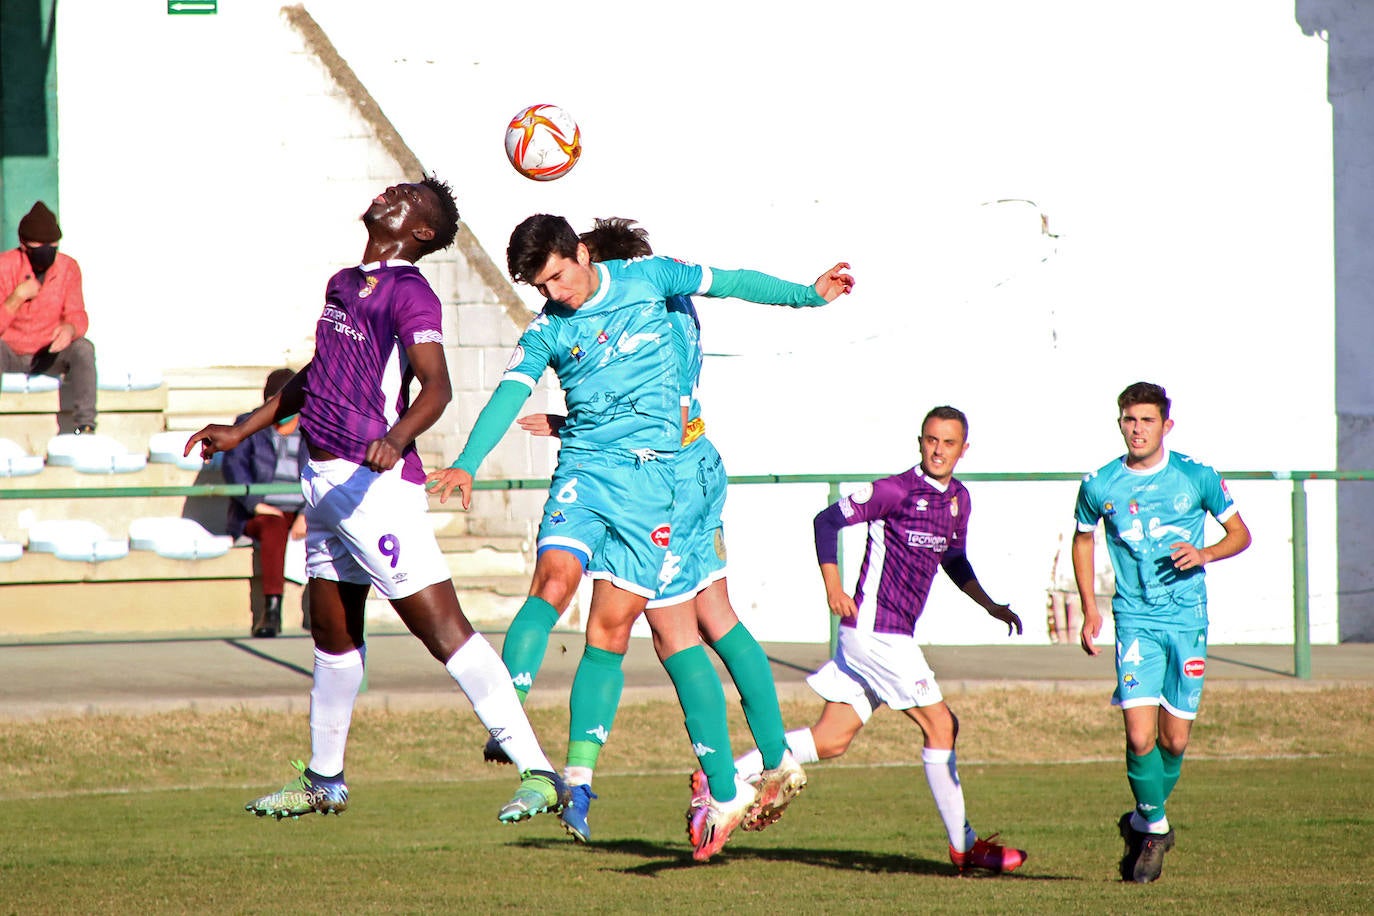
{"x":542,"y":424}
{"x":835,"y":282}
{"x":1004,"y":613}
{"x":446,"y":481}
{"x":1092,"y":628}
{"x":213,"y":438}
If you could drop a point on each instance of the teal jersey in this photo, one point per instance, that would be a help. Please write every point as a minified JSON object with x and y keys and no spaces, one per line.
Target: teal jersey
{"x":1145,"y":513}
{"x":615,"y":356}
{"x":682,"y":314}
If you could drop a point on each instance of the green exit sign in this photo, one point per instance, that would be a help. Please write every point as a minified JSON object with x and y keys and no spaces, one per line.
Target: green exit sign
{"x":179,"y":7}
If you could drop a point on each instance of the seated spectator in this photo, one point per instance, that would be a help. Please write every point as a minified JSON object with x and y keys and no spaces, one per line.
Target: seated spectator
{"x":43,"y":318}
{"x":271,"y":455}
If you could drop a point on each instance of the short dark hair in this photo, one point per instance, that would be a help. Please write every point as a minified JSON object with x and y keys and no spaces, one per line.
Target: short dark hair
{"x":534,"y":241}
{"x":447,"y":230}
{"x":616,"y":239}
{"x":276,"y":381}
{"x":945,"y":412}
{"x":1144,"y":393}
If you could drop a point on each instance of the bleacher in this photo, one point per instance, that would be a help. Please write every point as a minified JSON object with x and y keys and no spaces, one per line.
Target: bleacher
{"x":143,"y":592}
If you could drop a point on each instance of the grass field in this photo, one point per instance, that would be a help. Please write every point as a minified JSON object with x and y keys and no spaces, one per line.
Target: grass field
{"x":144,"y":815}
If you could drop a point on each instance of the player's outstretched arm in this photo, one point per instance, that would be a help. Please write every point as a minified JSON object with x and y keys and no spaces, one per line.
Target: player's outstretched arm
{"x":958,"y":568}
{"x":1083,"y":575}
{"x":446,"y":481}
{"x":218,"y":437}
{"x":492,"y":423}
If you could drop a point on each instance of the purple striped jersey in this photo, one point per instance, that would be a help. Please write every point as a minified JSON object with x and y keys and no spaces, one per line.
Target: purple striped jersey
{"x":914,"y":526}
{"x":359,"y":380}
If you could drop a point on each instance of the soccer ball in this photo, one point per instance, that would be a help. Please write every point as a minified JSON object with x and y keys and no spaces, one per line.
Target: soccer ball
{"x":543,"y":142}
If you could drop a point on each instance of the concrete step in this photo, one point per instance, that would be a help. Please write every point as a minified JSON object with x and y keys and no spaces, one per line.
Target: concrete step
{"x":46,"y":402}
{"x":139,"y":566}
{"x":33,"y":430}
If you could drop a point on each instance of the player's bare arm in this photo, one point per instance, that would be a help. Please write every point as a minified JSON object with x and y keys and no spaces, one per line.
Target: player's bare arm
{"x":835,"y":282}
{"x":436,"y":391}
{"x":446,"y":481}
{"x":219,"y":437}
{"x":542,"y":424}
{"x":1083,"y":550}
{"x":1236,"y":539}
{"x":840,"y":601}
{"x":1002,"y":612}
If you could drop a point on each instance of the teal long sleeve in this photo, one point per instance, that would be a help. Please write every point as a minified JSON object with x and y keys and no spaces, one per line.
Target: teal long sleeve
{"x":753,"y":286}
{"x":491,"y":425}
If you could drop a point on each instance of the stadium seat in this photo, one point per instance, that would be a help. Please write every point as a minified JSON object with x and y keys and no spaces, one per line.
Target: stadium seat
{"x":10,"y":551}
{"x":177,"y":539}
{"x":73,"y":539}
{"x":93,"y":454}
{"x":14,"y":462}
{"x":22,"y":383}
{"x":167,"y":448}
{"x":125,"y":379}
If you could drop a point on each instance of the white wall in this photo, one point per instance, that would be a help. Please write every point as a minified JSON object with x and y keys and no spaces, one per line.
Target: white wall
{"x":1180,"y":152}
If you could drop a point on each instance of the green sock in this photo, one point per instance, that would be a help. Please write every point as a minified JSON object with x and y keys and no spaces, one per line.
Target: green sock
{"x":748,"y":665}
{"x":595,"y":697}
{"x":1146,"y":775}
{"x":703,"y":705}
{"x":1170,"y":766}
{"x":527,"y":639}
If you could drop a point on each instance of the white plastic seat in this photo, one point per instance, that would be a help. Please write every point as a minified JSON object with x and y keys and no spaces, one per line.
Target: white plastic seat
{"x":177,"y":538}
{"x":126,"y":379}
{"x":10,"y":551}
{"x":23,"y":383}
{"x":167,"y":448}
{"x":15,"y":462}
{"x":75,"y":539}
{"x":93,"y":454}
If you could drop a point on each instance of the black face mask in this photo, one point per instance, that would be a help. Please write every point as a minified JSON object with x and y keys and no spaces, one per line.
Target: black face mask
{"x":41,"y":257}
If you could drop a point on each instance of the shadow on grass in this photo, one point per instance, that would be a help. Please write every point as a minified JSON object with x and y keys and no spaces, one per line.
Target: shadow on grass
{"x":671,"y":857}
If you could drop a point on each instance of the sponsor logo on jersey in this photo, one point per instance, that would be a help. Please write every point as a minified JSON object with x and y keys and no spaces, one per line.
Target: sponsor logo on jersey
{"x":577,"y":353}
{"x":936,"y":542}
{"x":602,"y":336}
{"x":523,"y":679}
{"x":368,"y":287}
{"x":662,"y":535}
{"x":672,"y":565}
{"x":400,"y":577}
{"x":1194,"y":667}
{"x":599,"y":733}
{"x":701,"y":750}
{"x":922,"y":504}
{"x":1133,"y":508}
{"x":846,"y":508}
{"x":1183,"y":502}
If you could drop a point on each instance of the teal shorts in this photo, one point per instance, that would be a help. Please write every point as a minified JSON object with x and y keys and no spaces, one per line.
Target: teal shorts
{"x":1160,"y":668}
{"x":614,"y":506}
{"x":696,"y":555}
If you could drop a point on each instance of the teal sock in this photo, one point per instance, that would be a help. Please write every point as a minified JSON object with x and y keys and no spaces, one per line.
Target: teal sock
{"x":1171,"y":765}
{"x":1146,"y":775}
{"x":748,"y":665}
{"x":595,"y":697}
{"x":527,"y":639}
{"x":703,"y":705}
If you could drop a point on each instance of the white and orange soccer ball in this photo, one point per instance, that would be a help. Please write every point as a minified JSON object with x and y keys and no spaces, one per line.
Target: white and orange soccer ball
{"x":543,"y":142}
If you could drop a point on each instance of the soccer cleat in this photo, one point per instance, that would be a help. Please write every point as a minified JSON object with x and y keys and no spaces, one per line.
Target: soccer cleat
{"x":574,"y":814}
{"x":718,"y":820}
{"x":696,"y":811}
{"x":1132,"y":838}
{"x":539,"y":791}
{"x":988,"y":855}
{"x":776,"y":787}
{"x":307,"y":793}
{"x":493,"y":752}
{"x":1150,"y":862}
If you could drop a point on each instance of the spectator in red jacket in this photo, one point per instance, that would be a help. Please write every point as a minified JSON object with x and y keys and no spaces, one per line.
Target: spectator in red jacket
{"x":43,"y":318}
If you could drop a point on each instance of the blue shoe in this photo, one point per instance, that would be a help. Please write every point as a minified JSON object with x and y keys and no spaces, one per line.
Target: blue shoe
{"x":574,"y":816}
{"x":307,"y":793}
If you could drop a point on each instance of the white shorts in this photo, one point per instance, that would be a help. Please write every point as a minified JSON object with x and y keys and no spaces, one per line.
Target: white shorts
{"x":870,"y":669}
{"x":367,"y":528}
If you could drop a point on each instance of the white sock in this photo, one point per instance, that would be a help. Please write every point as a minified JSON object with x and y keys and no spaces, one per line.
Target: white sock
{"x":943,"y":777}
{"x":484,"y":678}
{"x":337,"y":680}
{"x":577,"y":776}
{"x":1140,"y":825}
{"x":801,"y":743}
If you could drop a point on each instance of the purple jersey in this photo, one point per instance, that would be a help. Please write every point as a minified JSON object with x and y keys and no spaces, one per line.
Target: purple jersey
{"x":914,"y":526}
{"x":358,"y":385}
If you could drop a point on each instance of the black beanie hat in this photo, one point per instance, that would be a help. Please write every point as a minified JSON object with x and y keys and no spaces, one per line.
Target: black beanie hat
{"x":39,"y":225}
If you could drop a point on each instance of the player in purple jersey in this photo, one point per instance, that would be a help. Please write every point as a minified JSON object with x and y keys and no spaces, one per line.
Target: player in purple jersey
{"x":366,"y":503}
{"x":917,"y":523}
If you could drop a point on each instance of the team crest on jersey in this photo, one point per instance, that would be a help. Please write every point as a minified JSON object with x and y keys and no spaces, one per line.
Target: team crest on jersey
{"x":1129,"y":681}
{"x":1108,"y":510}
{"x":1133,"y":507}
{"x":602,"y":336}
{"x":1183,"y":502}
{"x":577,"y":353}
{"x":556,"y":517}
{"x":662,"y":535}
{"x":954,"y":506}
{"x":368,"y":287}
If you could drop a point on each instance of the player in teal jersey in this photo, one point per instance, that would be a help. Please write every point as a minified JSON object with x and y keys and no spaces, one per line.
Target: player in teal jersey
{"x":606,"y":334}
{"x":693,"y":602}
{"x":1153,"y":503}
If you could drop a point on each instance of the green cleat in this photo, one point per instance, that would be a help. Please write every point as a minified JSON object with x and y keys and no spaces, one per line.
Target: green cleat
{"x":307,"y":793}
{"x":539,"y":791}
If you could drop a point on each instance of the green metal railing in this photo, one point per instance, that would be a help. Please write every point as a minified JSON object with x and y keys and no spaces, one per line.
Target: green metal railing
{"x":1302,"y":637}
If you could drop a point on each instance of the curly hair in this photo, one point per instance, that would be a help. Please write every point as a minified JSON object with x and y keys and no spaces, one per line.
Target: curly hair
{"x":447,"y":229}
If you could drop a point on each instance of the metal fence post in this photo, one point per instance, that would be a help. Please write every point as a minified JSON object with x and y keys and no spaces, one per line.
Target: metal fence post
{"x":1302,"y":631}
